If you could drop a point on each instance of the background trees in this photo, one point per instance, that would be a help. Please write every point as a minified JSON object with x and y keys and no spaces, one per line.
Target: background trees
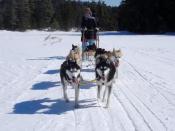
{"x":53,"y":14}
{"x":22,"y":14}
{"x":142,"y":16}
{"x":9,"y":14}
{"x":146,"y":16}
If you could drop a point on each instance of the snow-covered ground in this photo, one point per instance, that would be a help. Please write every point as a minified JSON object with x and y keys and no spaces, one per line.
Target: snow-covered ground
{"x":143,"y":98}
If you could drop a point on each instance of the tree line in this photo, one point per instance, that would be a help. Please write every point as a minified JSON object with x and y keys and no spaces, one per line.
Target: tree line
{"x":53,"y":14}
{"x":142,"y":16}
{"x":146,"y":16}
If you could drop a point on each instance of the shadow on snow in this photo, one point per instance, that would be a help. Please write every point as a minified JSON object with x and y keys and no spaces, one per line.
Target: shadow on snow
{"x":50,"y":58}
{"x":48,"y":106}
{"x":44,"y":85}
{"x":51,"y":72}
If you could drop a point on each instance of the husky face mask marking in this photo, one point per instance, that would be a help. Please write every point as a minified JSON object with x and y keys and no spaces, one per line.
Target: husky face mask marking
{"x":103,"y":71}
{"x":73,"y":71}
{"x":73,"y":74}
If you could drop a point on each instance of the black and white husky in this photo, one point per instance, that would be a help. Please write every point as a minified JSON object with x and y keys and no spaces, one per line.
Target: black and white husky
{"x":70,"y":75}
{"x":105,"y":76}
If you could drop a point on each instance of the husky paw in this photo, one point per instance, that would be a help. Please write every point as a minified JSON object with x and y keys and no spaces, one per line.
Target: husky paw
{"x":106,"y":106}
{"x":100,"y":103}
{"x":103,"y":100}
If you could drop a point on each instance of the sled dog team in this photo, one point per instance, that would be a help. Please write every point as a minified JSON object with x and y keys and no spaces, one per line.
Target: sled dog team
{"x":106,"y":71}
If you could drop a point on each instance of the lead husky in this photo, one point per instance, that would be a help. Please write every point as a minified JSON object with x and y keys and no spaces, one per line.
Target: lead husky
{"x":105,"y":76}
{"x":70,"y":75}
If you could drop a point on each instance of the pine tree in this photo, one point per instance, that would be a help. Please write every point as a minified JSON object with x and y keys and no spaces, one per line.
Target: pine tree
{"x":1,"y":16}
{"x":23,"y":14}
{"x":54,"y":24}
{"x":57,"y":18}
{"x":9,"y":14}
{"x":57,"y":14}
{"x":147,"y":16}
{"x":33,"y":21}
{"x":44,"y":13}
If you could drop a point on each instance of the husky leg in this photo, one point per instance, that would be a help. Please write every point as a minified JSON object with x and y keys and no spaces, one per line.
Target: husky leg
{"x":84,"y":56}
{"x":109,"y":94}
{"x":116,"y":73}
{"x":104,"y":94}
{"x":65,"y":93}
{"x":77,"y":89}
{"x":98,"y":92}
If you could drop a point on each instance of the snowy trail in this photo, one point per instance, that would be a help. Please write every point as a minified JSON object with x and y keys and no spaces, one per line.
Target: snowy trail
{"x":143,"y":97}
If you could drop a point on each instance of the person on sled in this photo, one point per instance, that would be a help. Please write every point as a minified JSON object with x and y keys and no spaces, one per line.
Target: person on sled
{"x":89,"y":31}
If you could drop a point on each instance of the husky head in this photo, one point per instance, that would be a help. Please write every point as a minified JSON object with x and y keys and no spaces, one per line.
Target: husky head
{"x":75,"y":48}
{"x":103,"y":68}
{"x":73,"y":71}
{"x":117,"y":53}
{"x":99,"y":51}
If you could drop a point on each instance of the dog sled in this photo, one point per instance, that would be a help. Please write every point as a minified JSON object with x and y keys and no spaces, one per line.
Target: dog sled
{"x":90,"y":42}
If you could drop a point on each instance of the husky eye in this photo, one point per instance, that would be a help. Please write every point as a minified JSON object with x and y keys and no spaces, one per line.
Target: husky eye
{"x":75,"y":70}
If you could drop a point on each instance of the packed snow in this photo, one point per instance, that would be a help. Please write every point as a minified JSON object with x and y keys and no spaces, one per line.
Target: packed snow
{"x":31,"y":99}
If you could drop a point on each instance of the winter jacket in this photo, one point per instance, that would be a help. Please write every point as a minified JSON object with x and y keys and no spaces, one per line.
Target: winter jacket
{"x":90,"y":24}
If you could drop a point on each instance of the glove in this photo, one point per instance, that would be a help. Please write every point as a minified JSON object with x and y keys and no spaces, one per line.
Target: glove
{"x":83,"y":29}
{"x":97,"y":29}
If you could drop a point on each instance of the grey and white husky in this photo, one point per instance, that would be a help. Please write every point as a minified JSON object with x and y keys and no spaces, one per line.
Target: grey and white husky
{"x":70,"y":75}
{"x":105,"y":76}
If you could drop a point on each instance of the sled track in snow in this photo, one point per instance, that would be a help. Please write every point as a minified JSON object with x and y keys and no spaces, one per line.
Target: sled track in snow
{"x":146,"y":107}
{"x":125,"y":110}
{"x":151,"y":84}
{"x":126,"y":86}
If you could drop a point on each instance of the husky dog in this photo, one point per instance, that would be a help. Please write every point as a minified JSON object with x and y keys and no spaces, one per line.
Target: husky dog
{"x":70,"y":75}
{"x":75,"y":54}
{"x":105,"y":74}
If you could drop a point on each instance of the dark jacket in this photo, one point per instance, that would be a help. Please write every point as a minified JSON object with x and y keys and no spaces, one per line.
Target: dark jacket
{"x":90,"y":24}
